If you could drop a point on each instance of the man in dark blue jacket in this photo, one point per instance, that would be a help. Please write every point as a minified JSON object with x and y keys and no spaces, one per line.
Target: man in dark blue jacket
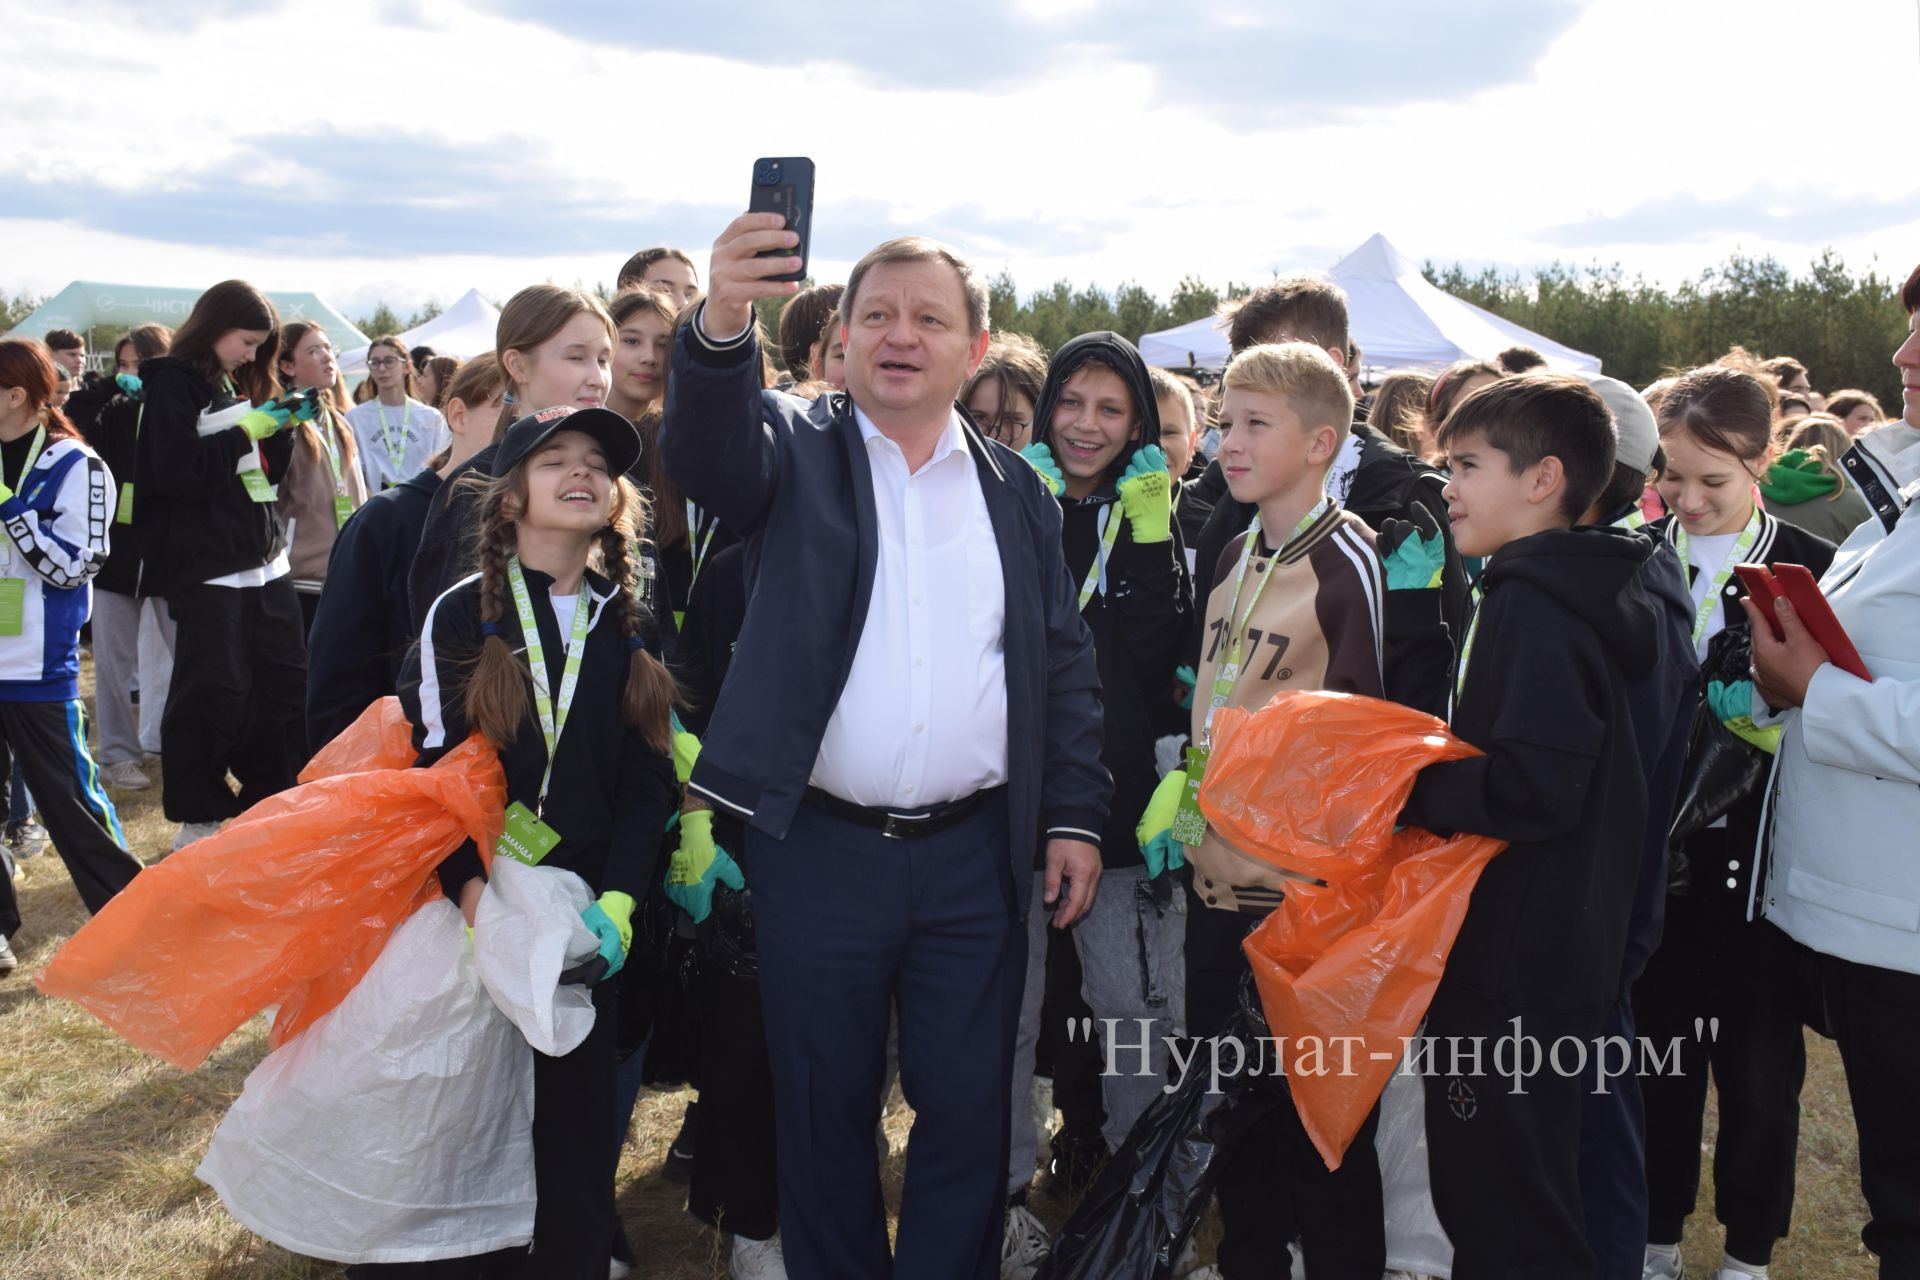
{"x":911,"y":714}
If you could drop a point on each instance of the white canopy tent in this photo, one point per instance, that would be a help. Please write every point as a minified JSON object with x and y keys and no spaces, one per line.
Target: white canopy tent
{"x":88,"y":304}
{"x":1398,"y":318}
{"x":464,"y":329}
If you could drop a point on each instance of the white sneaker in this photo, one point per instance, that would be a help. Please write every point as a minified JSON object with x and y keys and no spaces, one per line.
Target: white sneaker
{"x":7,"y":962}
{"x":618,"y":1270}
{"x":126,"y":776}
{"x":1734,"y":1273}
{"x":757,"y":1259}
{"x":1208,"y":1272}
{"x":1661,"y":1265}
{"x":191,"y":831}
{"x":27,"y":839}
{"x":1025,"y":1245}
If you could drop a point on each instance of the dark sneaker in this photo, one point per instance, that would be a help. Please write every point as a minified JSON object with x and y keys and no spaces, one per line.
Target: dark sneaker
{"x":679,"y":1163}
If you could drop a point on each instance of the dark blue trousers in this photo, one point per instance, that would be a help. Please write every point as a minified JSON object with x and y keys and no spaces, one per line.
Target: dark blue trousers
{"x":848,"y":923}
{"x":1613,"y":1162}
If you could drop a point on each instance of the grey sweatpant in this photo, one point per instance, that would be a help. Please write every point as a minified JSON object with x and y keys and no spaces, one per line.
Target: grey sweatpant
{"x":1133,"y":968}
{"x":132,"y":637}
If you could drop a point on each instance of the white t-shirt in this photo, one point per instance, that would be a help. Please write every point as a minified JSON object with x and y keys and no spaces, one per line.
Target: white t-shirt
{"x":1707,"y":556}
{"x":416,"y":432}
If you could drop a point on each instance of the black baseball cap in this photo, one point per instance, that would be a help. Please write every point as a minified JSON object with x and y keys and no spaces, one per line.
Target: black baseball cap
{"x":617,"y":437}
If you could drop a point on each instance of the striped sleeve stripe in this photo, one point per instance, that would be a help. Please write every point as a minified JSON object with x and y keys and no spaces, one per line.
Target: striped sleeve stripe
{"x":1367,"y":565}
{"x":432,"y":718}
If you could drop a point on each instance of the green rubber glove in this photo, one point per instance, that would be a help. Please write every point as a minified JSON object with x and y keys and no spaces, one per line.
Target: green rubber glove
{"x":264,"y":421}
{"x":129,"y":383}
{"x":1414,"y":555}
{"x":1041,"y":459}
{"x":686,"y":750}
{"x":1155,"y":829}
{"x":697,"y":865}
{"x":307,"y":405}
{"x":1188,"y":678}
{"x":611,"y":919}
{"x":1146,"y":495}
{"x":1732,"y":704}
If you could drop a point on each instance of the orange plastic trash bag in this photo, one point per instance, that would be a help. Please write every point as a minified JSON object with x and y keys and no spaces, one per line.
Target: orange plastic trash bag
{"x":290,"y":903}
{"x":1313,"y":783}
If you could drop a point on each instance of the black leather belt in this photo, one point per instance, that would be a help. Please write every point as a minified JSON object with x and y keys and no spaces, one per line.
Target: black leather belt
{"x":906,"y":824}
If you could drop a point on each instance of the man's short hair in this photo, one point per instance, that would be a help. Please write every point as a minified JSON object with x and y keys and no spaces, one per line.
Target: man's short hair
{"x":1302,"y":374}
{"x":64,"y":340}
{"x":1910,"y":292}
{"x":1521,"y":359}
{"x":1167,"y":387}
{"x":1308,"y":308}
{"x":922,"y":249}
{"x":801,"y":320}
{"x":1540,"y":415}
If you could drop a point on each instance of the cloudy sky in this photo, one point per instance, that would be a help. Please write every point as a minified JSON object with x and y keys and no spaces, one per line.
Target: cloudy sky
{"x":411,"y":149}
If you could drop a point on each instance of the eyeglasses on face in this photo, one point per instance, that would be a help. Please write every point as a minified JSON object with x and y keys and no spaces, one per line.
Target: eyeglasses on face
{"x":387,"y":363}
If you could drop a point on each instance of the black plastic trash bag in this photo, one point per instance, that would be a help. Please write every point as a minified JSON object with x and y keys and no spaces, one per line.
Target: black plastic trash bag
{"x":1721,"y":769}
{"x":1136,"y":1219}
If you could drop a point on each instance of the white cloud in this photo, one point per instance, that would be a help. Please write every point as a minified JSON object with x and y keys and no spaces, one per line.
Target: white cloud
{"x":1086,"y":173}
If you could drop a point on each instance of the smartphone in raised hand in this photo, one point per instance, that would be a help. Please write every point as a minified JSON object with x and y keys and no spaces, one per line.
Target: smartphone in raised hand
{"x":784,"y":185}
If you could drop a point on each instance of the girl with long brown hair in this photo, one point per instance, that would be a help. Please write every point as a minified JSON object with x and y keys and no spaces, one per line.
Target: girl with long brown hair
{"x":549,"y":652}
{"x":212,"y":542}
{"x":324,"y":484}
{"x":56,"y":505}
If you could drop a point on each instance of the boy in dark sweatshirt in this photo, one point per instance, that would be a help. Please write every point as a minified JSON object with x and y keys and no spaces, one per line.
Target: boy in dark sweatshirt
{"x":1096,"y":440}
{"x":1564,"y":631}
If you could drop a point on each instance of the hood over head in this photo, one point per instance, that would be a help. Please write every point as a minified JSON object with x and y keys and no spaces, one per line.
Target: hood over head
{"x":1602,"y":575}
{"x":1124,"y":357}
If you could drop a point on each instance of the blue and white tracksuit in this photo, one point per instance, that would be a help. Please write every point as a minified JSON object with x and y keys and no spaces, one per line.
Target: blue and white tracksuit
{"x":55,"y":527}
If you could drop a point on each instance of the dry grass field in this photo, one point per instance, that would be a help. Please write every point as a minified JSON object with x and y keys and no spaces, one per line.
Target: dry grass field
{"x":98,"y":1143}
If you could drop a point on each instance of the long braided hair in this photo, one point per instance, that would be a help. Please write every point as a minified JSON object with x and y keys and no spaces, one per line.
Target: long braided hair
{"x":499,"y":689}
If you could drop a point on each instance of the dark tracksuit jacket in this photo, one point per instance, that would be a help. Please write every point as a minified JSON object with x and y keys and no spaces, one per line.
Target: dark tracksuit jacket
{"x":1141,"y":618}
{"x":113,"y":433}
{"x":611,"y":794}
{"x":363,"y":625}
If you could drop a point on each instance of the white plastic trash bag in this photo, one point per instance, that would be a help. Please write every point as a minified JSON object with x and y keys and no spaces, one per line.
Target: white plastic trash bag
{"x":1416,"y":1241}
{"x":396,"y":1128}
{"x":526,"y":932}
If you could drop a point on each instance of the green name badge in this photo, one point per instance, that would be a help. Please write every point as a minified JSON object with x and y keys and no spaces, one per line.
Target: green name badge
{"x":123,"y":514}
{"x":259,"y":488}
{"x":1189,"y":824}
{"x":342,"y":508}
{"x":525,"y":838}
{"x":13,"y":606}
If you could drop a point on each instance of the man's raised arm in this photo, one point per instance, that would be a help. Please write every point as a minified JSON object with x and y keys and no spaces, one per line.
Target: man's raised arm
{"x":713,"y":437}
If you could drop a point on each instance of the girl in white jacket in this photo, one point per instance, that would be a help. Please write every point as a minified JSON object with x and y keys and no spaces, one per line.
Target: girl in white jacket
{"x":1841,"y":846}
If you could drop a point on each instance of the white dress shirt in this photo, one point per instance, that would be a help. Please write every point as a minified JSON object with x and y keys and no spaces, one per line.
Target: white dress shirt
{"x":923,"y":717}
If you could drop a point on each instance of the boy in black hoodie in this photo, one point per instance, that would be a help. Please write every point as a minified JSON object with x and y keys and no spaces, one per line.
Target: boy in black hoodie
{"x":1096,"y":441}
{"x":1564,"y":631}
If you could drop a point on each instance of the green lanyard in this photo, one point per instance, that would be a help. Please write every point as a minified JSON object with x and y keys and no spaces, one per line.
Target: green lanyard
{"x":1466,"y":647}
{"x":700,"y":552}
{"x":1632,"y":520}
{"x":1742,"y":545}
{"x":1107,"y":539}
{"x":1227,"y":675}
{"x":552,"y":712}
{"x":395,"y":452}
{"x":33,"y":455}
{"x":342,"y":501}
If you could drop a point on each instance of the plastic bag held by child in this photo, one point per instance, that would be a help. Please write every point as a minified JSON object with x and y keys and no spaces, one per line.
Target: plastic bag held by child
{"x":290,"y":903}
{"x":1313,"y":783}
{"x":396,"y":1128}
{"x":526,"y":932}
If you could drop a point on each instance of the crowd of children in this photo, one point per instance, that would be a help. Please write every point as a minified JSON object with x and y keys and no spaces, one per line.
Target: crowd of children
{"x":1545,"y":560}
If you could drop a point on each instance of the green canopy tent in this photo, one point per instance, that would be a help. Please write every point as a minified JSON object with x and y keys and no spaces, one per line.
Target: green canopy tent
{"x":86,"y":305}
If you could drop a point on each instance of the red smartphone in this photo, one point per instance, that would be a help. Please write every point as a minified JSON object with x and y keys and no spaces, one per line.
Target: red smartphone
{"x":1802,"y":589}
{"x":1763,"y":591}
